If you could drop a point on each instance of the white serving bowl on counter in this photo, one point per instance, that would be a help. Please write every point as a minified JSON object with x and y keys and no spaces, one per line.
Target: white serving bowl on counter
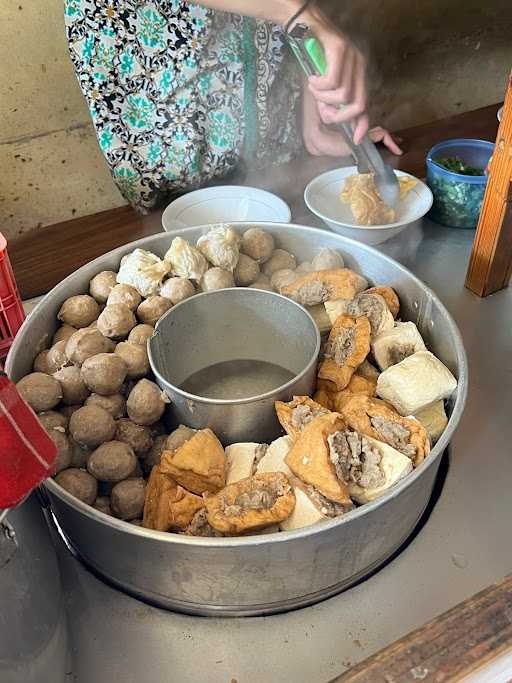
{"x":322,"y":197}
{"x":224,"y":204}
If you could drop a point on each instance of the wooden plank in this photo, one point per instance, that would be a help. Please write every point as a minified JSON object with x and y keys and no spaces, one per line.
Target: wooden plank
{"x":450,"y":647}
{"x":44,"y":257}
{"x":490,"y":265}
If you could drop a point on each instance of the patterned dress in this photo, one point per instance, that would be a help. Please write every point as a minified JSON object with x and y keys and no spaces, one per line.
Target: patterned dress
{"x":179,"y":94}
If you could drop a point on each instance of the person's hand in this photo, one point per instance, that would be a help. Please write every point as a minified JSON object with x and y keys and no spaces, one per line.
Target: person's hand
{"x":320,"y":140}
{"x":344,"y":83}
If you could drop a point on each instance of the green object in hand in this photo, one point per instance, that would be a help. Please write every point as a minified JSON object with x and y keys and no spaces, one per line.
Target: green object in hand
{"x":317,"y":54}
{"x":457,"y":165}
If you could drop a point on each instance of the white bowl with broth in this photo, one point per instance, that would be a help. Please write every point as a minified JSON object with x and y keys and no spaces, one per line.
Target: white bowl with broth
{"x":322,"y":197}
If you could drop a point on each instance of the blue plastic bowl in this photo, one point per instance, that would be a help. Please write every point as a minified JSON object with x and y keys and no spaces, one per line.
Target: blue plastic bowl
{"x":457,"y":197}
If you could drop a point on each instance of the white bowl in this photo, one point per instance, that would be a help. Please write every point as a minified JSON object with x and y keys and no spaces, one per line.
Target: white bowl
{"x":224,"y":204}
{"x":322,"y":196}
{"x":500,"y":114}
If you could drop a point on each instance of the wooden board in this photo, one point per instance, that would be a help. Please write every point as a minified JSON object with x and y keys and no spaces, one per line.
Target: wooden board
{"x":459,"y":642}
{"x":490,"y":265}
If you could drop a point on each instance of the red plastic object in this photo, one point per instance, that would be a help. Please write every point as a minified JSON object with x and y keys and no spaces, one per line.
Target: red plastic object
{"x":27,"y":453}
{"x":11,"y":308}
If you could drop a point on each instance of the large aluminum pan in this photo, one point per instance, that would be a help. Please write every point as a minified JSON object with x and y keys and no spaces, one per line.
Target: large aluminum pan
{"x":267,"y":573}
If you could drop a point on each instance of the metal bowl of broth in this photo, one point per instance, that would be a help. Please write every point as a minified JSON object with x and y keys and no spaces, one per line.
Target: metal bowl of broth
{"x":224,"y":357}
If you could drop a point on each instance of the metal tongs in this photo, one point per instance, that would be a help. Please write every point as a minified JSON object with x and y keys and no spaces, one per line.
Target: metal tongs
{"x":310,"y":56}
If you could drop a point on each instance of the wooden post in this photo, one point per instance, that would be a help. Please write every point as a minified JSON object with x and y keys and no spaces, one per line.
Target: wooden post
{"x":490,"y":265}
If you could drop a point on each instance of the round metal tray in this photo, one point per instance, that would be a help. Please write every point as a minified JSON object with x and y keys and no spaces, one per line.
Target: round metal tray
{"x":267,"y":573}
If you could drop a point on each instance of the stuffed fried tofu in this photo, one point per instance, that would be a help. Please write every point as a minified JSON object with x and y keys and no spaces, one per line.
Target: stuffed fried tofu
{"x":251,"y":504}
{"x":375,"y":418}
{"x":168,"y":506}
{"x":309,"y":458}
{"x":296,"y":414}
{"x":199,"y":464}
{"x":347,"y":347}
{"x":325,"y":285}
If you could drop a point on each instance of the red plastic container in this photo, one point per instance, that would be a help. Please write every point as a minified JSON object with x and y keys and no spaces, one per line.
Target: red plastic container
{"x":11,"y":308}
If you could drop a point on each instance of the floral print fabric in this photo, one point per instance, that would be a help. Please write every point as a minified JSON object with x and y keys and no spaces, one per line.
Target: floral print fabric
{"x":178,"y":94}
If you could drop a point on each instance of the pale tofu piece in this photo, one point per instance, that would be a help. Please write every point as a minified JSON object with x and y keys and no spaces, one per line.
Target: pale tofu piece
{"x":415,"y":383}
{"x":394,"y":345}
{"x":434,"y":419}
{"x":305,"y":512}
{"x":394,"y":465}
{"x":240,"y":459}
{"x":273,"y":460}
{"x":336,"y":308}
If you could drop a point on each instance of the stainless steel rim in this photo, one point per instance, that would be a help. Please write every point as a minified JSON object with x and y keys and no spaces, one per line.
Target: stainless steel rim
{"x":285,"y":536}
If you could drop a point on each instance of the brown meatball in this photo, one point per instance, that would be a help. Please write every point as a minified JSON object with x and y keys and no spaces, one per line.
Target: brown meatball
{"x":63,"y":333}
{"x":74,"y":390}
{"x":177,"y":289}
{"x":116,"y":321}
{"x":152,"y":309}
{"x":145,"y":404}
{"x":79,"y":483}
{"x":140,"y":334}
{"x":91,"y":426}
{"x":136,"y":358}
{"x":247,"y":271}
{"x":53,"y":420}
{"x":112,"y":462}
{"x":127,"y":499}
{"x":124,"y":294}
{"x":79,"y":454}
{"x":217,"y":278}
{"x":114,"y":404}
{"x":79,"y":311}
{"x":136,"y":436}
{"x":258,"y":244}
{"x":102,"y":284}
{"x":104,"y":373}
{"x":86,"y":343}
{"x":280,"y":260}
{"x":63,"y":449}
{"x":51,"y":360}
{"x":42,"y":392}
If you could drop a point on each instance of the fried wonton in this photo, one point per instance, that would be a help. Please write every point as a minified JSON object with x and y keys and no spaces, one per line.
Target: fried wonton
{"x":346,"y":349}
{"x":251,"y":504}
{"x":199,"y":464}
{"x":374,"y":418}
{"x":309,"y":458}
{"x":168,"y":506}
{"x":360,"y":192}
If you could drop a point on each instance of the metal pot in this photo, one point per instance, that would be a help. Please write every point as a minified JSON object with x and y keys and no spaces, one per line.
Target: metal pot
{"x":267,"y":573}
{"x":33,"y":629}
{"x":234,"y":343}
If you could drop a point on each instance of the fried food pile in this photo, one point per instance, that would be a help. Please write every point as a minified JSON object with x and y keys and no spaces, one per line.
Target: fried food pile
{"x":360,"y":192}
{"x":343,"y":448}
